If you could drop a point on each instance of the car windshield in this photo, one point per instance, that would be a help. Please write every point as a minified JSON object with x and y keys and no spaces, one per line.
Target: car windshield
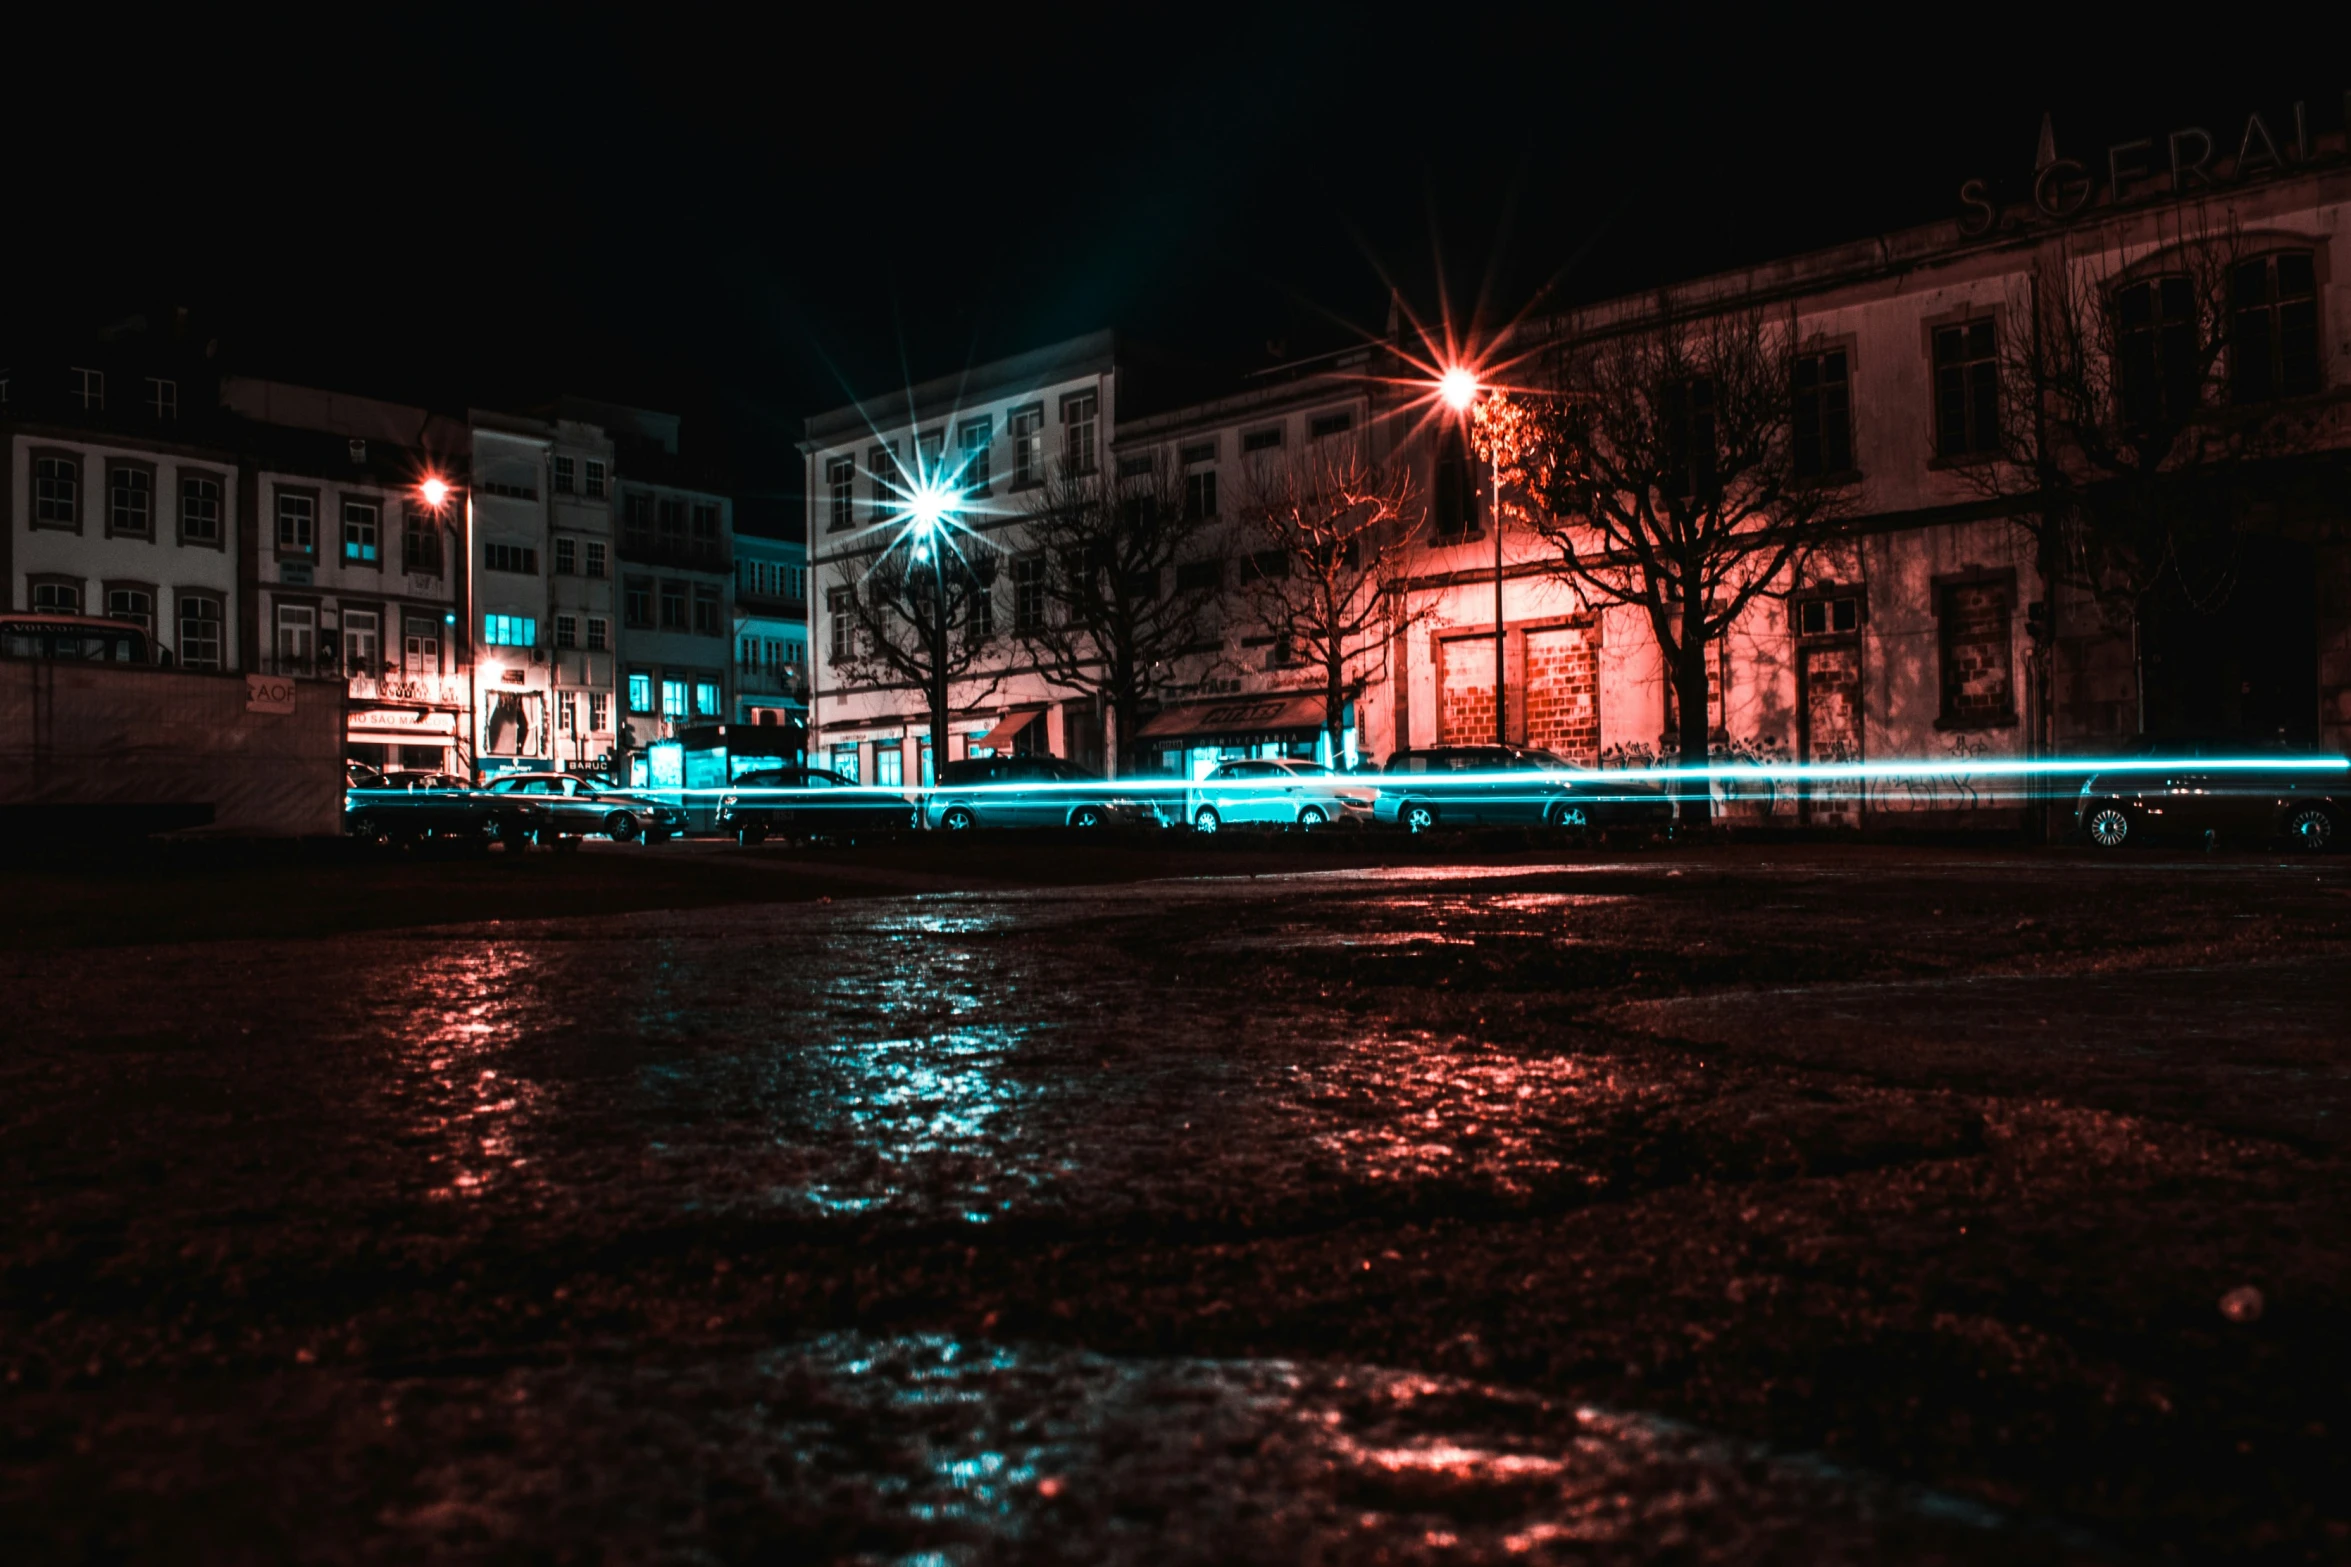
{"x":1306,"y":769}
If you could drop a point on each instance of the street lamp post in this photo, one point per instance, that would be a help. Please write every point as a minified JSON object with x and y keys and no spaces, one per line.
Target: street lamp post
{"x":1458,"y":387}
{"x":930,"y":507}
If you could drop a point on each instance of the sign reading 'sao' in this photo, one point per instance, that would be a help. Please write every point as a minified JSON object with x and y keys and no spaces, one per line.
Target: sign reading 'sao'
{"x":2185,"y":160}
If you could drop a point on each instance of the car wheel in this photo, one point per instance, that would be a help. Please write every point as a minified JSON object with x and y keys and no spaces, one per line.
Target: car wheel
{"x":1419,"y":817}
{"x":956,"y":819}
{"x":1086,"y":816}
{"x":750,"y":833}
{"x":1564,"y":817}
{"x":364,"y":829}
{"x":2310,"y":828}
{"x":1206,"y":820}
{"x":1311,"y":818}
{"x":620,"y":826}
{"x":2109,"y":826}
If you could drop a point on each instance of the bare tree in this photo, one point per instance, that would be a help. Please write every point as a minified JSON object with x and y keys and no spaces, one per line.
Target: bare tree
{"x":1116,"y":615}
{"x":899,"y":635}
{"x":1333,"y":531}
{"x":1664,"y":473}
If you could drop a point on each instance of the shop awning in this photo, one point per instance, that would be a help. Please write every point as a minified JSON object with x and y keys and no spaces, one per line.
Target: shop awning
{"x":1009,"y":725}
{"x":1238,"y":716}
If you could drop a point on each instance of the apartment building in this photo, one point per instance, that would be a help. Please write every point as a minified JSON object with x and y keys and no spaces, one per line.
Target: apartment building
{"x":676,"y":572}
{"x":770,"y":676}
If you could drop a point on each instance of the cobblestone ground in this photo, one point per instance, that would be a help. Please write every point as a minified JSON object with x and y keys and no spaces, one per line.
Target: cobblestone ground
{"x":1807,"y":1207}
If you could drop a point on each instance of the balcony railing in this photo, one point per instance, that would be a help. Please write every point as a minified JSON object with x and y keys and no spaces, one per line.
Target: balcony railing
{"x":772,"y":682}
{"x":670,"y":549}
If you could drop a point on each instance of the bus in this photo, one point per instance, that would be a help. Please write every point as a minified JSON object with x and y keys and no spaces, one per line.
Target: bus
{"x":79,"y":639}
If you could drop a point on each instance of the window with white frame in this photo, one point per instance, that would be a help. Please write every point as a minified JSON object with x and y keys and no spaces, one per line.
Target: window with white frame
{"x":199,"y":508}
{"x":420,"y":645}
{"x":163,"y":397}
{"x":673,"y":699}
{"x":706,"y":699}
{"x":200,"y":631}
{"x":61,"y":596}
{"x":297,"y":643}
{"x":840,"y":477}
{"x":881,"y":473}
{"x":567,"y":717}
{"x":974,"y":438}
{"x":297,"y":523}
{"x":57,"y":486}
{"x":567,"y":557}
{"x":567,"y":631}
{"x":1026,"y":426}
{"x":841,"y":623}
{"x":362,"y":527}
{"x":89,"y":388}
{"x":363,"y":643}
{"x":599,"y":713}
{"x":134,"y":604}
{"x":593,"y":477}
{"x":565,"y":469}
{"x":510,"y":631}
{"x":595,"y":564}
{"x":1079,"y":412}
{"x":130,"y":500}
{"x":599,"y":633}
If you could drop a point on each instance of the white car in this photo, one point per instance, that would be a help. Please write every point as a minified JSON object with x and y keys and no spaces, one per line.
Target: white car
{"x":1276,"y":793}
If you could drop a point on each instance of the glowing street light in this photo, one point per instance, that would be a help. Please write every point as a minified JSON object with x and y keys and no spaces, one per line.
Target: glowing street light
{"x":1457,"y":388}
{"x":435,"y":491}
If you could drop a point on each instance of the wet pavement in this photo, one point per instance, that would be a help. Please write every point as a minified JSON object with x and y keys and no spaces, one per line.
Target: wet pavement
{"x":1805,"y":1206}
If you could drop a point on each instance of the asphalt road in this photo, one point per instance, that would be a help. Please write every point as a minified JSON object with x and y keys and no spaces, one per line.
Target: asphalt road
{"x":1783,"y":1206}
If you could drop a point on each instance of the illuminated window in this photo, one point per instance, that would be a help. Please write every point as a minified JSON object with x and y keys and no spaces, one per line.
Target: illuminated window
{"x":1079,"y":411}
{"x":564,"y":469}
{"x":57,"y":485}
{"x":845,"y":761}
{"x":889,"y":764}
{"x":599,"y":633}
{"x":360,"y":520}
{"x":1026,"y":426}
{"x":595,"y":559}
{"x":1823,"y":416}
{"x":297,"y":524}
{"x":706,"y":699}
{"x":200,"y":623}
{"x":974,"y":439}
{"x":130,"y":500}
{"x":640,"y":691}
{"x":2273,"y":328}
{"x":673,"y":699}
{"x":199,"y":509}
{"x":509,"y":631}
{"x":567,"y":557}
{"x":595,"y":479}
{"x":567,"y":631}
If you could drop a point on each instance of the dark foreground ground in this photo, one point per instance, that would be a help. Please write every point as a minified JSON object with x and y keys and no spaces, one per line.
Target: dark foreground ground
{"x":1790,"y":1205}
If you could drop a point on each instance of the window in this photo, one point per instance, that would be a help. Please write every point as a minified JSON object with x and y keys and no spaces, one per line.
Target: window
{"x":640,"y":691}
{"x":670,"y":520}
{"x":1975,"y":646}
{"x":420,"y":645}
{"x":1200,"y":495}
{"x":567,"y":557}
{"x":199,"y":509}
{"x":1134,"y":467}
{"x":163,"y":397}
{"x":2157,"y":365}
{"x":1823,"y":416}
{"x":1199,"y":576}
{"x":297,"y":524}
{"x":2273,"y":328}
{"x":57,"y":488}
{"x":516,"y":558}
{"x":975,"y":438}
{"x":200,"y":623}
{"x":1967,"y":390}
{"x":637,"y":522}
{"x":1692,"y":469}
{"x":706,"y":610}
{"x":840,"y":477}
{"x":359,"y":531}
{"x":796,"y":583}
{"x":1825,"y":617}
{"x":564,"y":470}
{"x":845,"y":761}
{"x":362,"y":643}
{"x":673,"y":698}
{"x":1323,"y":426}
{"x":64,"y":597}
{"x":509,"y":631}
{"x":979,"y":612}
{"x":1026,"y":426}
{"x":705,"y":699}
{"x":1079,"y":412}
{"x":89,"y":388}
{"x":673,"y":606}
{"x":1199,"y":452}
{"x":136,"y":605}
{"x":1265,"y":566}
{"x":567,"y":631}
{"x":599,"y":713}
{"x":567,"y":716}
{"x":297,"y":638}
{"x":841,"y":623}
{"x":595,"y":479}
{"x":1453,"y":498}
{"x":512,"y":487}
{"x":1264,"y":440}
{"x":595,"y":559}
{"x":889,"y":764}
{"x":130,"y":500}
{"x":705,"y":525}
{"x":881,"y":469}
{"x":420,"y":541}
{"x":636,"y":602}
{"x":1028,"y":593}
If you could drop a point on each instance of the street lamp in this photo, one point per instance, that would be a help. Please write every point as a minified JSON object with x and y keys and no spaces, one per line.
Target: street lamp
{"x":1458,"y":390}
{"x":930,"y":509}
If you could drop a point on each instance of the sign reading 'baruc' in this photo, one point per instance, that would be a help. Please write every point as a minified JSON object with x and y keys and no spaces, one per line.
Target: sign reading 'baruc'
{"x":2183,"y":162}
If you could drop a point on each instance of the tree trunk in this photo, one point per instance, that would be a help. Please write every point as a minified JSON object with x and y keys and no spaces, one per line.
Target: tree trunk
{"x":1334,"y":713}
{"x":1689,"y":689}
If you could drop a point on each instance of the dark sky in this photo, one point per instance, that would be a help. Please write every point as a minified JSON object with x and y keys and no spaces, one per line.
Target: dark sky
{"x":748,"y":220}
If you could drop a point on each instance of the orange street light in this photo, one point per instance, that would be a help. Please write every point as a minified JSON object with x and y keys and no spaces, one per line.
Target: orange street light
{"x":435,"y":491}
{"x":1458,"y":388}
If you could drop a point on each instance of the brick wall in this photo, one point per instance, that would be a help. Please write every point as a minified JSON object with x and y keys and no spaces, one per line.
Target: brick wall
{"x":1562,"y":685}
{"x":1465,"y":699}
{"x":1978,"y":687}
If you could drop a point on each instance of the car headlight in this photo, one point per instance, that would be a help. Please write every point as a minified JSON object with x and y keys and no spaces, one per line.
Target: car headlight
{"x":726,"y":799}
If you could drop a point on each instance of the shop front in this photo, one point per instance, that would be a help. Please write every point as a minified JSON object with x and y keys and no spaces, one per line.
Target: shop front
{"x":1193,"y":740}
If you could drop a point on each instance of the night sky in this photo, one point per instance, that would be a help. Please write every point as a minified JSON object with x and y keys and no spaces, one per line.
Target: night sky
{"x":748,"y":221}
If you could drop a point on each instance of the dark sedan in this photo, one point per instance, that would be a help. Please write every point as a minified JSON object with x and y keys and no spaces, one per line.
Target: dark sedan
{"x":1498,"y":785}
{"x":406,"y":807}
{"x":575,"y":804}
{"x":804,"y":802}
{"x":2249,"y":791}
{"x":1032,"y":791}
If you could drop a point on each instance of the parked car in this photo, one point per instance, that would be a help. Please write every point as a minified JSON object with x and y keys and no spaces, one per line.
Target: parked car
{"x":2182,"y":789}
{"x":806,"y":802}
{"x":1278,"y":793}
{"x":1031,"y":791}
{"x":411,"y":806}
{"x":1490,"y":785}
{"x":578,"y":804}
{"x":359,"y":775}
